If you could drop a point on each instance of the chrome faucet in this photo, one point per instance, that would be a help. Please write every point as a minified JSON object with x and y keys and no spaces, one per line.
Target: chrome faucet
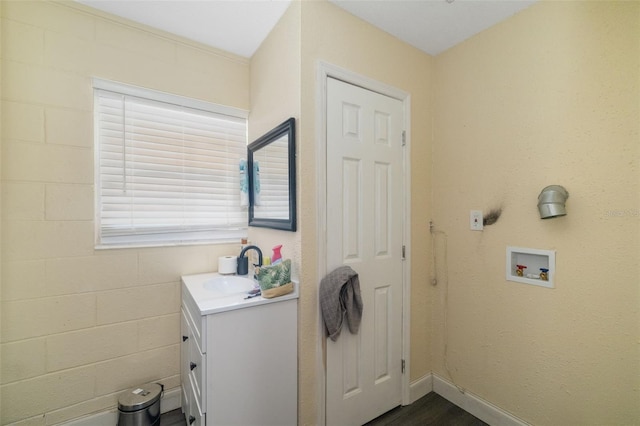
{"x":243,"y":262}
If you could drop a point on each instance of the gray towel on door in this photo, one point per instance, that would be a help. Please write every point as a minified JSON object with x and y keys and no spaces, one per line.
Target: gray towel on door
{"x":339,"y":298}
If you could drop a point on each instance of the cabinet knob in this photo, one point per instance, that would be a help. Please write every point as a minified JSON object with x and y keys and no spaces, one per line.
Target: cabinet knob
{"x":192,"y":365}
{"x":184,"y":338}
{"x":191,"y":419}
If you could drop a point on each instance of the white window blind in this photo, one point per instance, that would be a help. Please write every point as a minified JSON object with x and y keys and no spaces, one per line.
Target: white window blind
{"x":167,"y":172}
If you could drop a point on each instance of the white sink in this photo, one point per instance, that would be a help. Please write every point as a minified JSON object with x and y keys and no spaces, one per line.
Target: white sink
{"x":213,"y":293}
{"x":226,"y":285}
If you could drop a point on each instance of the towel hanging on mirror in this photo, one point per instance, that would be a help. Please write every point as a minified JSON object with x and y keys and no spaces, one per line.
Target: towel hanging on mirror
{"x":244,"y":184}
{"x":256,"y":183}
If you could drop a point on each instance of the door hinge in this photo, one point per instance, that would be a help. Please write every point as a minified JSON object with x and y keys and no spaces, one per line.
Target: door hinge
{"x":404,"y":138}
{"x":403,"y":366}
{"x":404,"y":253}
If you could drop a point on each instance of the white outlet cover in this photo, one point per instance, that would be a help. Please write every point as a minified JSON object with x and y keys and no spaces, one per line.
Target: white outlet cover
{"x":475,"y":220}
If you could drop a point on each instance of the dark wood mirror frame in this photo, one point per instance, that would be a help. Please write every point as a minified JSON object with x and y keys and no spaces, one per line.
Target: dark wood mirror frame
{"x":287,"y":130}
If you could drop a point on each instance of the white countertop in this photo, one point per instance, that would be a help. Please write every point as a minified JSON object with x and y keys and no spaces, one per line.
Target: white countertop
{"x":209,"y":303}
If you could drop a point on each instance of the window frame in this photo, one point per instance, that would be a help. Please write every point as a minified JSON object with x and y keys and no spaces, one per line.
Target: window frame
{"x":159,"y":239}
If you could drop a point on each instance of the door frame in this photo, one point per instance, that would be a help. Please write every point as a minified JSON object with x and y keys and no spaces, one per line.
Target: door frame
{"x":325,"y":70}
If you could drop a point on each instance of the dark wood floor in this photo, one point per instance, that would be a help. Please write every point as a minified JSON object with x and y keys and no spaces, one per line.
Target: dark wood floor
{"x":431,"y":409}
{"x":173,"y":418}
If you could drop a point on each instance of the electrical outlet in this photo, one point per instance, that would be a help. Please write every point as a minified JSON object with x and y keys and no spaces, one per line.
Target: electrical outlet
{"x":475,"y":220}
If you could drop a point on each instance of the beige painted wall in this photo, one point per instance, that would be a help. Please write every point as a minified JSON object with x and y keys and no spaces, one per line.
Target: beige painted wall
{"x":79,"y":325}
{"x":283,"y":82}
{"x":329,"y":34}
{"x":551,"y":96}
{"x":275,"y":96}
{"x":1,"y":221}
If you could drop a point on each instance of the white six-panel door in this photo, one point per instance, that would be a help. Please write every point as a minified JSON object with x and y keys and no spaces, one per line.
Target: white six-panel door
{"x":365,"y":204}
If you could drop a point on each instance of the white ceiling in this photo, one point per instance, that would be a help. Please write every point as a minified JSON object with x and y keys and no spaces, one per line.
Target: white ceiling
{"x":237,"y":26}
{"x":240,"y":26}
{"x":433,"y":26}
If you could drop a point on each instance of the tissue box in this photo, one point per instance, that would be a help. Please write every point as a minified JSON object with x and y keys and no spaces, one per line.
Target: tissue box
{"x":275,"y":280}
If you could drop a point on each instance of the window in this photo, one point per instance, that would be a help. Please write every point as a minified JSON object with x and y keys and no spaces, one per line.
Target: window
{"x":167,"y":168}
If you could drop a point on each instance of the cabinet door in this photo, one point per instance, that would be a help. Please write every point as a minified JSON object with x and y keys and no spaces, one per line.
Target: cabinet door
{"x":184,"y":359}
{"x":197,"y":365}
{"x":193,"y":413}
{"x":252,"y":366}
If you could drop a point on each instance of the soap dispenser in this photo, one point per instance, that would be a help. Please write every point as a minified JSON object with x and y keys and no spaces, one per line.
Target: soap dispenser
{"x":276,"y":257}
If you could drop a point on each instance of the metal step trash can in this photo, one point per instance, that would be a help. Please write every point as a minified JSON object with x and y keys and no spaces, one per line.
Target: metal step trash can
{"x":140,"y":406}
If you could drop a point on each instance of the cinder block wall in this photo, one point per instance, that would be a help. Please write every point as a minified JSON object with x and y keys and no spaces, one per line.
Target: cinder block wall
{"x":80,"y":325}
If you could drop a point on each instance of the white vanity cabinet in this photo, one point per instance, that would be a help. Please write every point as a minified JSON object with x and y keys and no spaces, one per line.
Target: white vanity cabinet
{"x":193,"y":364}
{"x":239,"y":363}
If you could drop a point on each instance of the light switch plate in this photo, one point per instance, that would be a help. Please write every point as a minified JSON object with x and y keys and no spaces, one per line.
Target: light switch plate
{"x":475,"y":220}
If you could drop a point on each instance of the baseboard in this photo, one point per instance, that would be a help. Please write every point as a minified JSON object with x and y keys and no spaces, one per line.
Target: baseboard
{"x":475,"y":405}
{"x":471,"y":403}
{"x":421,"y":387}
{"x":170,"y":401}
{"x":105,"y":418}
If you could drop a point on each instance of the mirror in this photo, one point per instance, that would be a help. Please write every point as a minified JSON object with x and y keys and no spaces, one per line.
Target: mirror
{"x":271,"y":161}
